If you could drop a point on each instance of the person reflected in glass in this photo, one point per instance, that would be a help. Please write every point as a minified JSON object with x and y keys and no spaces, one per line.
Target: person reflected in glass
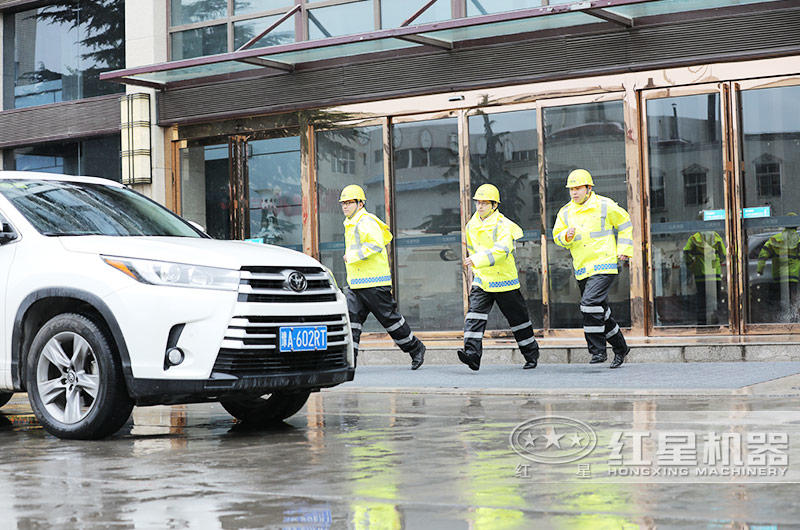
{"x":586,"y":226}
{"x":704,"y":254}
{"x":783,"y":250}
{"x":490,"y":243}
{"x":369,"y":281}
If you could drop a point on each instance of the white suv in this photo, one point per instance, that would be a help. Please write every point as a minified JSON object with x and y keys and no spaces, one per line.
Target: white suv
{"x":110,"y":300}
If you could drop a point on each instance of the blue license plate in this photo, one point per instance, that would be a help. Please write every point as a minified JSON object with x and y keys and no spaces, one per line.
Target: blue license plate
{"x":304,"y":338}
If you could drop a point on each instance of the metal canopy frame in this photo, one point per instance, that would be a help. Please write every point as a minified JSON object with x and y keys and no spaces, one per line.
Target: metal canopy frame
{"x":278,"y":58}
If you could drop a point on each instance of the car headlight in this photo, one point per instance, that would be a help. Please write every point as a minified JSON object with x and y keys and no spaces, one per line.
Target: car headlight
{"x":175,"y":274}
{"x":331,"y":276}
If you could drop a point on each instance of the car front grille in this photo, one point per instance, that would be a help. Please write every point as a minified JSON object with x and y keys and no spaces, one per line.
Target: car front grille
{"x":271,"y":285}
{"x":250,"y":346}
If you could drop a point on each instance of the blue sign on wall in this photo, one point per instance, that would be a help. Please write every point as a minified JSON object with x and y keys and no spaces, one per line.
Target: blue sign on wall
{"x":753,"y":213}
{"x":713,"y":215}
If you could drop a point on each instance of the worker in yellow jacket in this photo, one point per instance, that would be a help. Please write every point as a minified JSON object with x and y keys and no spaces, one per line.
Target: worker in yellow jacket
{"x":586,"y":226}
{"x":704,"y":254}
{"x":490,"y":243}
{"x":368,"y":277}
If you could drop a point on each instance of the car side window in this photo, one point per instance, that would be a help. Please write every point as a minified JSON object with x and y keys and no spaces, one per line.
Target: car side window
{"x":7,"y":232}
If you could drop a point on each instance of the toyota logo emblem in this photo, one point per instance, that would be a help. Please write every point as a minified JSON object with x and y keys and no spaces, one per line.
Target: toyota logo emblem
{"x":297,"y":282}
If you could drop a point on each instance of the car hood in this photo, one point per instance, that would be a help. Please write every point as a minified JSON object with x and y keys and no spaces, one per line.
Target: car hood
{"x":193,"y":251}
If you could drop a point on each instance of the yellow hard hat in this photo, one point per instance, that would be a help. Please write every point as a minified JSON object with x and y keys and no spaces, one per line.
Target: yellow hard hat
{"x":487,"y":192}
{"x":352,"y":192}
{"x":579,"y":177}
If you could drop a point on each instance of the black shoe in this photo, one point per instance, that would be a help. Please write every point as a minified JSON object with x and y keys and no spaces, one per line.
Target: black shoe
{"x":598,"y":358}
{"x":418,"y":358}
{"x":619,"y":358}
{"x":472,"y":361}
{"x":530,"y":365}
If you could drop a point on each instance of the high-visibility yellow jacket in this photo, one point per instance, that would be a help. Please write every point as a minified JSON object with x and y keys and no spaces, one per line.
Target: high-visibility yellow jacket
{"x":490,"y":243}
{"x":365,"y":240}
{"x":703,"y":254}
{"x":594,"y":248}
{"x":784,"y":250}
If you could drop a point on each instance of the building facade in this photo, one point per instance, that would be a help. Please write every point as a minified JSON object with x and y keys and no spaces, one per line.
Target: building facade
{"x":260,"y":111}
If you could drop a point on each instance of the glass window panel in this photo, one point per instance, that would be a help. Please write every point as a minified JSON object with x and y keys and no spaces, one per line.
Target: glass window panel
{"x":199,"y":42}
{"x":341,"y":50}
{"x":485,"y":7}
{"x":96,"y":157}
{"x":191,"y":72}
{"x":243,"y":7}
{"x":274,"y":199}
{"x":677,"y":6}
{"x":246,"y":30}
{"x":589,"y":136}
{"x":59,"y":53}
{"x":395,"y":12}
{"x":428,"y":219}
{"x":687,"y":231}
{"x":344,"y":19}
{"x":191,"y":11}
{"x":205,"y":187}
{"x":345,"y":156}
{"x":504,"y":151}
{"x":771,"y":164}
{"x":511,"y":27}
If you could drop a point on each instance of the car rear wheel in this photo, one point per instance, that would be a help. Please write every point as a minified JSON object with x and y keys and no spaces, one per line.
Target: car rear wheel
{"x":5,"y":397}
{"x":75,"y":382}
{"x":266,"y":409}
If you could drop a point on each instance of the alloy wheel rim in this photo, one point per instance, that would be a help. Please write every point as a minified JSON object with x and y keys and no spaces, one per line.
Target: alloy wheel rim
{"x":67,"y":377}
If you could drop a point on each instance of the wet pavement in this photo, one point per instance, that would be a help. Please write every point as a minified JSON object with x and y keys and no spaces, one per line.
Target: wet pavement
{"x":433,"y":457}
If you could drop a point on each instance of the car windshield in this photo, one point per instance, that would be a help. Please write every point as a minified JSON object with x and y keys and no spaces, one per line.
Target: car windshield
{"x":60,"y":208}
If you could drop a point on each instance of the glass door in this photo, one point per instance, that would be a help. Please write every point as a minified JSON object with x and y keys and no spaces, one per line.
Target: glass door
{"x":205,"y":189}
{"x":769,"y":182}
{"x":685,"y":167}
{"x":427,"y":223}
{"x":587,"y":134}
{"x":273,"y":201}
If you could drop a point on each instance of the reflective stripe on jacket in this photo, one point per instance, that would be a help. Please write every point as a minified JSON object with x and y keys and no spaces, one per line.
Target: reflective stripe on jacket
{"x":784,"y":250}
{"x":703,"y":254}
{"x":594,"y":248}
{"x":490,"y":243}
{"x":365,"y":240}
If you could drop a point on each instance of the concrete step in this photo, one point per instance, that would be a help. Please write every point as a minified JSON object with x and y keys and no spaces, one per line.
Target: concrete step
{"x":440,"y":354}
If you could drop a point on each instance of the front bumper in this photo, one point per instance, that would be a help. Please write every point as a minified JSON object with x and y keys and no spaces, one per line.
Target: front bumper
{"x":174,"y":391}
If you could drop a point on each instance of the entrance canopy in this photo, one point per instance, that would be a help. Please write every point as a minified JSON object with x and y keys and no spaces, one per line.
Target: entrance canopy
{"x":447,"y":35}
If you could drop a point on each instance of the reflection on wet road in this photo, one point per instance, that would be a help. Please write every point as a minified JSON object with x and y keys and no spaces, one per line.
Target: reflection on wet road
{"x":401,"y":460}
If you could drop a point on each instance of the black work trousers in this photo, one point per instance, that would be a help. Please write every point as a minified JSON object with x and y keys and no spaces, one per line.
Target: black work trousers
{"x":512,"y":305}
{"x":598,"y":325}
{"x":380,"y":302}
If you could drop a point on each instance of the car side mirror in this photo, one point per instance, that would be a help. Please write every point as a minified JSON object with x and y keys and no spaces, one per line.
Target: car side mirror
{"x":197,"y":225}
{"x":7,"y":234}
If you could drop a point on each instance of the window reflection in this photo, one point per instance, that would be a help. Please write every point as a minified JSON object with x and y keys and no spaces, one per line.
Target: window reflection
{"x":205,"y":187}
{"x":343,"y":19}
{"x":504,"y":152}
{"x":61,"y":49}
{"x":198,"y":42}
{"x":96,"y":157}
{"x":687,"y":227}
{"x":246,"y":30}
{"x":347,"y":156}
{"x":274,"y":198}
{"x":590,"y":136}
{"x":394,"y":13}
{"x":428,"y":239}
{"x":771,"y":161}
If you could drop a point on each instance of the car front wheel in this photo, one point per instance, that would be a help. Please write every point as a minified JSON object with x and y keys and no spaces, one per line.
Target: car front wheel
{"x":75,"y":382}
{"x":266,"y":409}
